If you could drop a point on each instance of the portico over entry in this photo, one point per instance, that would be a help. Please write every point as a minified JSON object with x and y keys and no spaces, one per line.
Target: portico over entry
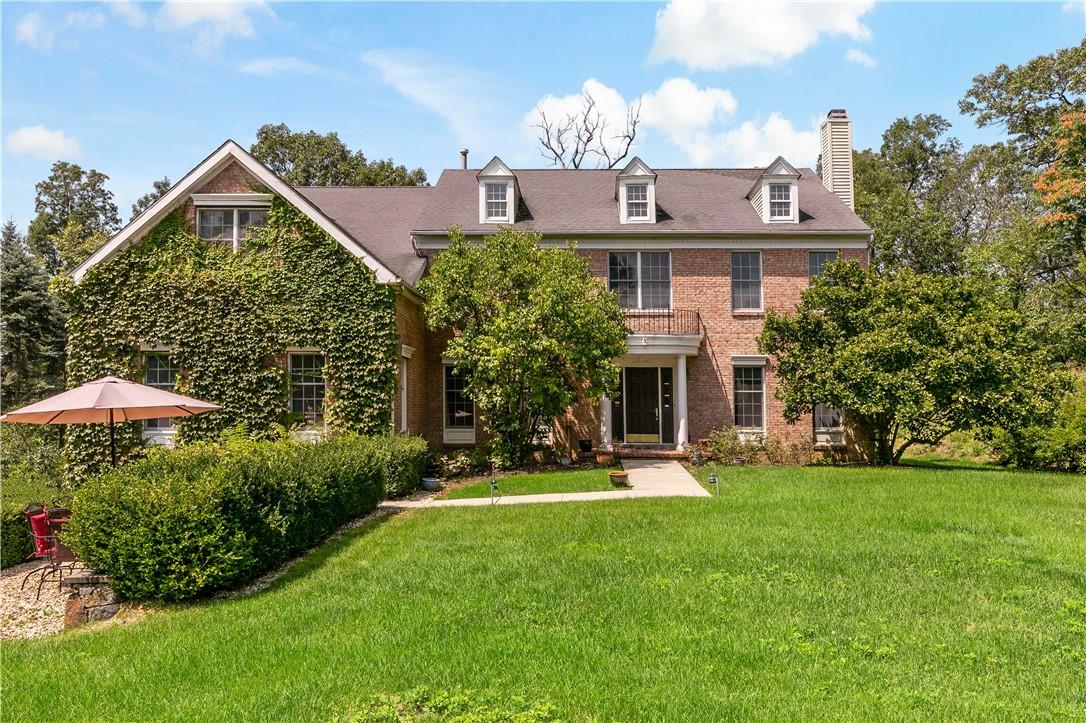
{"x":650,"y":406}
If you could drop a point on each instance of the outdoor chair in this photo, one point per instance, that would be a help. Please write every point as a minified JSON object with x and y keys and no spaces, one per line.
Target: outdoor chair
{"x":44,"y":525}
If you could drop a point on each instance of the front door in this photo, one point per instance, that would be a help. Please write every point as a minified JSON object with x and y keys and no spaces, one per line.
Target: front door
{"x":642,"y":396}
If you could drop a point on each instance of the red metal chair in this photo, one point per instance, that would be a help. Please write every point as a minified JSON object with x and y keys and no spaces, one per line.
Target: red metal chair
{"x":44,"y":525}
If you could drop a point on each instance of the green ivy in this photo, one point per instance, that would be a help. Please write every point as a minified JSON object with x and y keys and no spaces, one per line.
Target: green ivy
{"x":228,"y":319}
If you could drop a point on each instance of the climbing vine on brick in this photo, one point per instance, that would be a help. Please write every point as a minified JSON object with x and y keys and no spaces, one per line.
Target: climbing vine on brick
{"x":228,"y":319}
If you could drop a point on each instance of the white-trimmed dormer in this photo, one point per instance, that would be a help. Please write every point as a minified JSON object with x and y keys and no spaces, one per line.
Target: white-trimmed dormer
{"x":497,"y":193}
{"x":775,"y":195}
{"x":635,"y":191}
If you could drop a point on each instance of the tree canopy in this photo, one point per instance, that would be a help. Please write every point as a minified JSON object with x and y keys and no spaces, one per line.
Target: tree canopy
{"x":70,"y":195}
{"x":533,"y":331}
{"x":910,"y":357}
{"x":31,"y":325}
{"x":314,"y":159}
{"x":158,"y":190}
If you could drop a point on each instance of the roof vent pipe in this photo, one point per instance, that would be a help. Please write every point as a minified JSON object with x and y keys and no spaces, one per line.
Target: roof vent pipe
{"x":464,"y":158}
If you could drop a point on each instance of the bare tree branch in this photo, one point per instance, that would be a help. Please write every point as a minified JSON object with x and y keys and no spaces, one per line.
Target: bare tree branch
{"x":567,"y":143}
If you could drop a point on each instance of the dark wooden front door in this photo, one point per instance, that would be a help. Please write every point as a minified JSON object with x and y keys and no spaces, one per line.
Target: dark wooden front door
{"x":642,"y":397}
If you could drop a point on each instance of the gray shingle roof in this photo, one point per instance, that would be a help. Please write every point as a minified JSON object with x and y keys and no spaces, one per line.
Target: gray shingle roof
{"x":695,"y":200}
{"x":379,"y":218}
{"x":382,"y":219}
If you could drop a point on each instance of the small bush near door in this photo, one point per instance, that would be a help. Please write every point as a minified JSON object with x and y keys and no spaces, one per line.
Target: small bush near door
{"x":202,"y":517}
{"x":727,"y":446}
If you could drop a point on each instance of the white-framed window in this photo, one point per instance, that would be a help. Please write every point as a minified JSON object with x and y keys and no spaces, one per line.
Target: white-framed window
{"x":497,"y":201}
{"x":458,"y":409}
{"x":637,"y":201}
{"x":228,"y":225}
{"x":159,"y":371}
{"x":642,"y":279}
{"x":829,"y":426}
{"x":746,"y":280}
{"x":307,"y":385}
{"x":816,"y":262}
{"x":748,"y":397}
{"x":780,"y":201}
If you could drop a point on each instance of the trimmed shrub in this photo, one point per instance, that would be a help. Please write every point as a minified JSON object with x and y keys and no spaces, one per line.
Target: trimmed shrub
{"x":406,"y":459}
{"x":202,"y":517}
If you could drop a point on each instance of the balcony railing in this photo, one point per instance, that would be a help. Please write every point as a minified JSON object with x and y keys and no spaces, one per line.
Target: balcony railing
{"x":664,"y":321}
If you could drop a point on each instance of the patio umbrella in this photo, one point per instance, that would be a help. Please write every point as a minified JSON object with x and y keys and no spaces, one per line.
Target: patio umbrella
{"x":107,"y":400}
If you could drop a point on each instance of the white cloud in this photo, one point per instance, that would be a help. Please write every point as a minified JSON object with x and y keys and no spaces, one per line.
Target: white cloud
{"x":715,"y":36}
{"x":855,"y":55}
{"x":455,"y":94}
{"x":698,"y":121}
{"x":36,"y":32}
{"x":41,"y":142}
{"x":279,"y":66}
{"x":212,"y":22}
{"x":130,"y":11}
{"x":1075,"y":7}
{"x":32,"y":31}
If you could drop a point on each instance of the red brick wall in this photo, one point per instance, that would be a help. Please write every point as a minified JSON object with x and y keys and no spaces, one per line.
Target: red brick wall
{"x":232,"y":179}
{"x":412,"y":333}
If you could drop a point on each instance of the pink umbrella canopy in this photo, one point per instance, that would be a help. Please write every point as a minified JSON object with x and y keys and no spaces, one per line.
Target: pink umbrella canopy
{"x":107,"y":400}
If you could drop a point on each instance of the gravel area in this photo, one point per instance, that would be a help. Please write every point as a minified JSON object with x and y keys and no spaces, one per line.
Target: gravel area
{"x":21,"y":616}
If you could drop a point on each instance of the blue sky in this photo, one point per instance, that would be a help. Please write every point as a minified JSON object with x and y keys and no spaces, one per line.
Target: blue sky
{"x":139,"y":91}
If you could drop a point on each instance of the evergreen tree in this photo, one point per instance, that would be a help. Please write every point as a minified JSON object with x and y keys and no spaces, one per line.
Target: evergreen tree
{"x":31,"y":325}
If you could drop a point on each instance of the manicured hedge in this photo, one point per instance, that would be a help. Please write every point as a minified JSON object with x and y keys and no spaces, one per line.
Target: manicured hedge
{"x":203,"y":517}
{"x":406,"y":459}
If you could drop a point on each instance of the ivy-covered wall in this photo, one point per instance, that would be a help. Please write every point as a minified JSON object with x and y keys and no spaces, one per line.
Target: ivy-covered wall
{"x":228,"y":319}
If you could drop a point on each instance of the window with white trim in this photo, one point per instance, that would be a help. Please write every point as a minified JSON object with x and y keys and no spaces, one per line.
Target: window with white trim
{"x":459,"y":408}
{"x":228,"y":225}
{"x":816,"y":262}
{"x":642,"y":279}
{"x":637,"y":201}
{"x":749,"y":397}
{"x":746,"y":281}
{"x":827,"y":419}
{"x":160,"y":372}
{"x":780,"y":201}
{"x":497,"y":201}
{"x":307,"y":386}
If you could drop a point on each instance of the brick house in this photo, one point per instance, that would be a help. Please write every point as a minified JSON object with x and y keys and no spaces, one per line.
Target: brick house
{"x":696,"y":256}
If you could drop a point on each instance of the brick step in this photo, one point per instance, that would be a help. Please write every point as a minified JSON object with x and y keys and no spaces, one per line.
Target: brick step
{"x":624,"y":452}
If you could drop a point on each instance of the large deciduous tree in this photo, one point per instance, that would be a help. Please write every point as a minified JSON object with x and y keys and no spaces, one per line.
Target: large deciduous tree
{"x":1029,"y":101}
{"x":31,"y":325}
{"x":70,"y":195}
{"x":909,"y":357}
{"x":533,"y":331}
{"x":314,"y":159}
{"x":158,"y":190}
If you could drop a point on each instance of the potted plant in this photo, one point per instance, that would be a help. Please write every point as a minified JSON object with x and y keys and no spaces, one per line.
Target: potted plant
{"x":619,"y":477}
{"x":605,"y":457}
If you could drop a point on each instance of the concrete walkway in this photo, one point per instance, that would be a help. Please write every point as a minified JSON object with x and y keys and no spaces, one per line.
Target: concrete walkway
{"x":648,"y":478}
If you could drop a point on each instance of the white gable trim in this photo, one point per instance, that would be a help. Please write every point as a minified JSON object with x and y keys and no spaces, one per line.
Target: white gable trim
{"x":636,"y":167}
{"x":781,"y":167}
{"x":495,"y":169}
{"x":196,"y":178}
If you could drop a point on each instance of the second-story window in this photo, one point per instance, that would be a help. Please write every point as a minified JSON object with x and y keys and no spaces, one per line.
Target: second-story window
{"x":816,"y":262}
{"x":642,"y":279}
{"x":746,"y":281}
{"x":780,"y":200}
{"x":637,"y":201}
{"x":228,"y":225}
{"x":497,"y":201}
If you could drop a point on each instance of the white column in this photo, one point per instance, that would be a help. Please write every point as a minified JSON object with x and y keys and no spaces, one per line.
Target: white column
{"x":605,"y":422}
{"x":681,"y":435}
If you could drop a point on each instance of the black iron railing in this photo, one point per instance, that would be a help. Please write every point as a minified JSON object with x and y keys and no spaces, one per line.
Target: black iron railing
{"x":663,"y":321}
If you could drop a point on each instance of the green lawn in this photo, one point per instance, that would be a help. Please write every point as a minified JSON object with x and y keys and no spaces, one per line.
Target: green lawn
{"x":815,"y":593}
{"x":534,"y":483}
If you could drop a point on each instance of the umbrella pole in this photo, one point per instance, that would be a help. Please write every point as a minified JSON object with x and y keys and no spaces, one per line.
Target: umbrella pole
{"x":112,"y":441}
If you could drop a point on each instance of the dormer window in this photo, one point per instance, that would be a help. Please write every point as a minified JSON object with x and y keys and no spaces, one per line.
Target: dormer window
{"x":497,"y":202}
{"x":775,"y":194}
{"x":635,"y":191}
{"x":780,"y":201}
{"x":637,"y":201}
{"x":497,"y":193}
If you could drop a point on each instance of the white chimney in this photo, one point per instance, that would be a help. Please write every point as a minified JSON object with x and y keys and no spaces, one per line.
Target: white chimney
{"x":836,"y":136}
